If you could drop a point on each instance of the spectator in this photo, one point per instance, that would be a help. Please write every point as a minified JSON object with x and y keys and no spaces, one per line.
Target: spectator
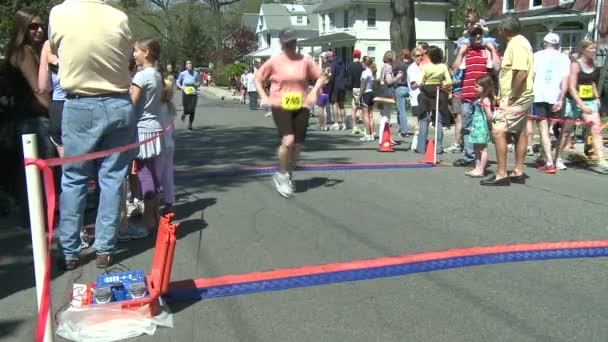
{"x":337,"y":91}
{"x":551,"y":71}
{"x":30,"y":102}
{"x":387,"y":78}
{"x":475,"y":62}
{"x":413,"y":73}
{"x":251,"y":90}
{"x":402,"y":90}
{"x":353,"y":75}
{"x":98,"y":115}
{"x":515,"y":99}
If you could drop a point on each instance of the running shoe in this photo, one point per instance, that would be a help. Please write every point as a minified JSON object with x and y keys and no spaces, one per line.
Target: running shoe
{"x":356,"y":130}
{"x":454,"y":148}
{"x":343,"y":127}
{"x":364,"y":138}
{"x":548,"y":169}
{"x":281,"y":183}
{"x":334,"y":127}
{"x":559,"y":164}
{"x":511,"y":147}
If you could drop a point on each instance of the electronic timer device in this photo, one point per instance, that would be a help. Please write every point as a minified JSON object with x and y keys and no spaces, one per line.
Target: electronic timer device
{"x":118,"y":287}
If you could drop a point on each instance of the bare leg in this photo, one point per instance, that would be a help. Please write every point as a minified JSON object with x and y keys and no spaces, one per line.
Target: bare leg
{"x":520,"y":153}
{"x":458,"y":129}
{"x":545,"y":140}
{"x":481,"y":158}
{"x":500,"y":142}
{"x":366,"y":121}
{"x":285,"y":153}
{"x":530,"y":133}
{"x":596,"y":134}
{"x":563,"y":138}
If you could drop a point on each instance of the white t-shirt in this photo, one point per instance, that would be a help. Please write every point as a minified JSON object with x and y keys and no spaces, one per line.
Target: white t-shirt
{"x":249,"y":81}
{"x":368,"y":78}
{"x":413,"y":73}
{"x":550,"y":68}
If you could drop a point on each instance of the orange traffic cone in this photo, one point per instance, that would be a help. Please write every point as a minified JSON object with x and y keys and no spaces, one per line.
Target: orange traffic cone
{"x":429,"y":154}
{"x":385,"y":145}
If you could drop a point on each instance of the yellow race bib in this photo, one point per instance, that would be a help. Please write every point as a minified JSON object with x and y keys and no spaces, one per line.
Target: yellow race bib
{"x":291,"y":101}
{"x":585,"y":91}
{"x":189,"y":90}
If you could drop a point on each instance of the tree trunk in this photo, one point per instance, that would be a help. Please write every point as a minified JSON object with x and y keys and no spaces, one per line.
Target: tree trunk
{"x":403,"y":25}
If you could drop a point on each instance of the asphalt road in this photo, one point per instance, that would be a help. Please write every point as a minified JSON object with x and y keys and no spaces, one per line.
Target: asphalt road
{"x":240,"y":225}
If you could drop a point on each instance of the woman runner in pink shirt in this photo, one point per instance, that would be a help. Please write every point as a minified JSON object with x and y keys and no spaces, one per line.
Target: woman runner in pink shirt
{"x":289,"y":74}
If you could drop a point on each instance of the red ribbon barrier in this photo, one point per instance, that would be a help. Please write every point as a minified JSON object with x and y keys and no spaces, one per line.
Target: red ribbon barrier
{"x":44,"y":165}
{"x":530,"y":115}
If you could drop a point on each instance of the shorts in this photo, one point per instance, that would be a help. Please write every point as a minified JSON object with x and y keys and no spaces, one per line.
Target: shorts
{"x":367,"y":100}
{"x":288,"y":122}
{"x":55,"y":111}
{"x":322,"y":100}
{"x":338,"y":96}
{"x":574,"y":111}
{"x":543,"y":110}
{"x":189,"y":103}
{"x":456,"y":103}
{"x":513,"y":122}
{"x":356,"y":93}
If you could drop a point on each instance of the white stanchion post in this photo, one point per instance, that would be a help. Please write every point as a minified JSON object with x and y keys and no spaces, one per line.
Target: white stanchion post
{"x":436,"y":126}
{"x":37,"y":221}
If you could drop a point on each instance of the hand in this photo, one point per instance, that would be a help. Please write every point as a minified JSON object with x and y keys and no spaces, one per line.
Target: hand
{"x":557,"y":107}
{"x":265,"y":101}
{"x":586,"y":109}
{"x":399,"y":75}
{"x":599,"y":102}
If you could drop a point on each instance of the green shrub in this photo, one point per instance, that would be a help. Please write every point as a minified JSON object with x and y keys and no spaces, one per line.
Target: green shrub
{"x":222,"y":75}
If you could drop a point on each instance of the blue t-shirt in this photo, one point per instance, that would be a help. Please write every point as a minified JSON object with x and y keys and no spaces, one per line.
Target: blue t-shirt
{"x":148,"y":108}
{"x":189,"y":79}
{"x":457,"y":86}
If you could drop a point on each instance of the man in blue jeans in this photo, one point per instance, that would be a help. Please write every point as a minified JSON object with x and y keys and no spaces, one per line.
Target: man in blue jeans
{"x":402,"y":91}
{"x":93,"y":42}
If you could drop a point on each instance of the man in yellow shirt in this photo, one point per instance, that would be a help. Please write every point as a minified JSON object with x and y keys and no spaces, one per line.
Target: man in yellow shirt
{"x":515,"y":97}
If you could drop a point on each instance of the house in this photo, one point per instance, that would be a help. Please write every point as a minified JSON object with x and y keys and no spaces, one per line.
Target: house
{"x":346,"y":25}
{"x":273,"y":18}
{"x":571,"y":20}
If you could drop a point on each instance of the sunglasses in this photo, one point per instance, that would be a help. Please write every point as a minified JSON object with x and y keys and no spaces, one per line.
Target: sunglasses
{"x":417,"y":56}
{"x":35,"y":26}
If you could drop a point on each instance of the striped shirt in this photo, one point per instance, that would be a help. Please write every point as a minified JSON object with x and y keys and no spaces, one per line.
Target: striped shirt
{"x":475,"y":64}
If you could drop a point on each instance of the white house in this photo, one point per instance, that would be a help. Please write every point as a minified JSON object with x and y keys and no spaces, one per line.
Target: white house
{"x":346,"y":25}
{"x":275,"y":17}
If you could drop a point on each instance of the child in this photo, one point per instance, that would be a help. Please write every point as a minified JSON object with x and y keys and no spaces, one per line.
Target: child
{"x":323,"y":100}
{"x":146,"y":94}
{"x":480,"y":135}
{"x":168,"y":114}
{"x":472,"y":20}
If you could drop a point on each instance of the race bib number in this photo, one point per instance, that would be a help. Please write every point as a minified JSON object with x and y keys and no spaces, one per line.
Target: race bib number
{"x":189,"y":90}
{"x":585,"y":91}
{"x":291,"y":101}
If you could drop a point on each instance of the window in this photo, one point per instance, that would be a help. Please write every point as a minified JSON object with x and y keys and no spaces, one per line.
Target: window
{"x":346,"y":19}
{"x":332,"y":21}
{"x":261,"y":22}
{"x":371,"y":17}
{"x":267,"y":39}
{"x":299,"y":19}
{"x":371,"y":52}
{"x":509,"y":5}
{"x":536,"y":3}
{"x":322,"y":22}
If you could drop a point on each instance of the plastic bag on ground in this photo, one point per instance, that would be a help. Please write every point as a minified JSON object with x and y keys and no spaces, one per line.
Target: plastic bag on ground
{"x":102,"y":323}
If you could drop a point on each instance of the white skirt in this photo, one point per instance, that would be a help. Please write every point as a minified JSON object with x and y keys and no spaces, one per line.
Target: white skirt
{"x":152,"y":148}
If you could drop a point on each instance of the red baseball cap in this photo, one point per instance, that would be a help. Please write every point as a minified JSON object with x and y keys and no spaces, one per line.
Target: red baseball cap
{"x":356,"y":54}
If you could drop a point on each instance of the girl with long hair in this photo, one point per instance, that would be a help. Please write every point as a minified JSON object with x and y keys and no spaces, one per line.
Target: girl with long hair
{"x":366,"y":98}
{"x":482,"y":117}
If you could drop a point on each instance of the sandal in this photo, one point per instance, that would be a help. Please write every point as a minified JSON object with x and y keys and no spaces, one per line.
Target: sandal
{"x":472,"y":174}
{"x":521,"y":179}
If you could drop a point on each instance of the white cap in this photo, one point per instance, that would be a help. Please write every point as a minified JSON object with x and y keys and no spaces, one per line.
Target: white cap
{"x":552,"y":38}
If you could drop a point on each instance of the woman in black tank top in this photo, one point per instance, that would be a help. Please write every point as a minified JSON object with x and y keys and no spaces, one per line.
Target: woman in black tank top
{"x":584,"y":100}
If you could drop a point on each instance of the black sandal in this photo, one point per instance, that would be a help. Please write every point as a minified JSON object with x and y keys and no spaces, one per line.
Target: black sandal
{"x":493,"y":182}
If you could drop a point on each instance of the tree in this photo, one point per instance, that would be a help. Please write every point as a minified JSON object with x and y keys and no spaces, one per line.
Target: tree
{"x":403,"y":25}
{"x":238,"y":44}
{"x":216,"y":8}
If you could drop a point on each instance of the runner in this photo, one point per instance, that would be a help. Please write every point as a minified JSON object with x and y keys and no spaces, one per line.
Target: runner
{"x":188,"y":82}
{"x":289,"y":74}
{"x":583,"y":100}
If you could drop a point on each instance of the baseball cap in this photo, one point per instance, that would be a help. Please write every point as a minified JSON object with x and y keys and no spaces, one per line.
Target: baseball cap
{"x":551,"y":38}
{"x":356,"y":53}
{"x":287,"y":36}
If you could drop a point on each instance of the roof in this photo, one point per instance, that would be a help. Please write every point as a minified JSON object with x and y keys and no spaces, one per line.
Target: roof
{"x":277,"y":17}
{"x":249,"y":21}
{"x":328,"y":38}
{"x":333,"y":4}
{"x":541,"y":14}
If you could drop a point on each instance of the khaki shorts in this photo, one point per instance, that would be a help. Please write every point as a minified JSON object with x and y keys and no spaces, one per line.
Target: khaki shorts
{"x":513,"y":121}
{"x":356,"y":92}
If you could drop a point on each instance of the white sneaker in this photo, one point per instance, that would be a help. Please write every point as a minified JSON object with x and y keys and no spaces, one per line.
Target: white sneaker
{"x":372,"y":137}
{"x":414,"y":141}
{"x":559,"y":164}
{"x":334,"y":127}
{"x":343,"y":128}
{"x":364,"y":138}
{"x":281,"y":183}
{"x":268,"y":114}
{"x":454,"y":148}
{"x":530,"y":151}
{"x":511,"y":147}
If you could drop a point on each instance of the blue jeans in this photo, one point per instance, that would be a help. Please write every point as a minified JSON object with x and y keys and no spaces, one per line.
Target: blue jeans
{"x":90,"y":125}
{"x":467,"y":126}
{"x":401,"y":95}
{"x":329,"y":111}
{"x":253,"y":100}
{"x":424,"y":132}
